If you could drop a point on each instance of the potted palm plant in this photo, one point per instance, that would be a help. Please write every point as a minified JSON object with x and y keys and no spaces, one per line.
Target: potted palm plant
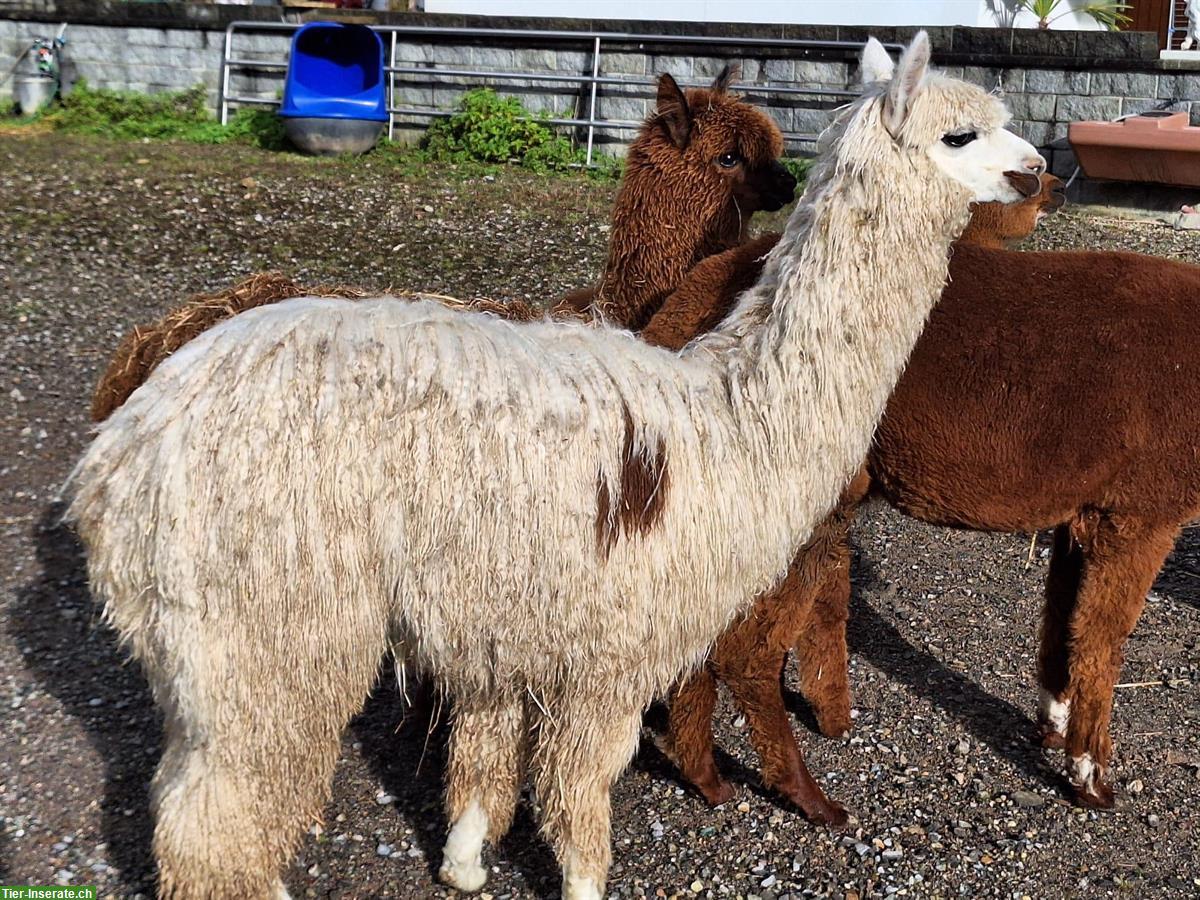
{"x":1109,"y":13}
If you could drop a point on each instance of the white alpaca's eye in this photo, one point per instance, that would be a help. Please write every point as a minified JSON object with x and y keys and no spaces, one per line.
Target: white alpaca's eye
{"x":959,"y":140}
{"x":728,"y":160}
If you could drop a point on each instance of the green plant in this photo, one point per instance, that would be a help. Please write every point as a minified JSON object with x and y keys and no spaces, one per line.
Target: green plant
{"x":178,"y":115}
{"x":799,"y":167}
{"x":254,"y":125}
{"x":127,"y":114}
{"x":1109,"y":13}
{"x":488,"y":128}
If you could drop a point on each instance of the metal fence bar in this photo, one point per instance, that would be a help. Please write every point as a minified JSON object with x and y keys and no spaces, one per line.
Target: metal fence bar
{"x":592,"y":81}
{"x":587,"y":161}
{"x":391,"y":100}
{"x":423,"y":112}
{"x":601,"y":79}
{"x":581,"y":36}
{"x":224,"y":96}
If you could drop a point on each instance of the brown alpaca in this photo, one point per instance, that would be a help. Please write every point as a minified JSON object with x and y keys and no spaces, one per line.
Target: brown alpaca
{"x":809,"y":609}
{"x":701,"y":165}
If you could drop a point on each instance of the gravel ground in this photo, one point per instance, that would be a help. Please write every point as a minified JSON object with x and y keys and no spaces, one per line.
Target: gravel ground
{"x":950,"y":798}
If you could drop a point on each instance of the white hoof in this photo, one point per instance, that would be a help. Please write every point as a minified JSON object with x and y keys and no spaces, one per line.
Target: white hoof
{"x":462,"y":863}
{"x":465,"y":876}
{"x":1083,"y":772}
{"x":1055,"y":713}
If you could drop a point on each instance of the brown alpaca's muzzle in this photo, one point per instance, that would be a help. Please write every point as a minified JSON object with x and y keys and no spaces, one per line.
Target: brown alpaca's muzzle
{"x":1026,"y":183}
{"x":1058,"y":194}
{"x":779,"y":188}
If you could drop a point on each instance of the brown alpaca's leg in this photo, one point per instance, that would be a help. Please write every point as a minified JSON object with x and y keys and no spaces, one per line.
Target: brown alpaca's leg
{"x":821,"y":653}
{"x":691,"y":739}
{"x":483,"y":782}
{"x":1120,"y":563}
{"x":582,"y":745}
{"x":783,"y":768}
{"x":1062,"y":588}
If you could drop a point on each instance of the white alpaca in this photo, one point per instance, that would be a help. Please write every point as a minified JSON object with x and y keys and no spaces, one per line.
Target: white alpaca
{"x":553,"y":520}
{"x":1193,"y":25}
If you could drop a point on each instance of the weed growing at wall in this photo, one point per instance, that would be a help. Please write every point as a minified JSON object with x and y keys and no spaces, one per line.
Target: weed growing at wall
{"x":488,"y":128}
{"x":171,"y":115}
{"x":799,"y":166}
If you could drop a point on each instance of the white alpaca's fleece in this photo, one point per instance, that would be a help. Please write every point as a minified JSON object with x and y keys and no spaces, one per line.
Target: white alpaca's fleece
{"x":432,"y":478}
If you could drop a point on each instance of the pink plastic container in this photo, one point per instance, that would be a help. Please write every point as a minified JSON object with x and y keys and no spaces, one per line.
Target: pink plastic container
{"x":1156,"y":146}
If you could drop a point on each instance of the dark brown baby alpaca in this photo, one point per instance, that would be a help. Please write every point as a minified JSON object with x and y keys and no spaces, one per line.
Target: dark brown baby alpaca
{"x":705,"y":163}
{"x":701,"y":165}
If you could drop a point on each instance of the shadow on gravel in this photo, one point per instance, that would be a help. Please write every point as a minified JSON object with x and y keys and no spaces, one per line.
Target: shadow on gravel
{"x":1006,"y":729}
{"x":5,"y":869}
{"x":1180,"y":576}
{"x":76,"y":658}
{"x":651,"y":759}
{"x":405,"y":747}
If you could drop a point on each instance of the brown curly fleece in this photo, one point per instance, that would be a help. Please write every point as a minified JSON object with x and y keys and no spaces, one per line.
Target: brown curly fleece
{"x":703,"y":165}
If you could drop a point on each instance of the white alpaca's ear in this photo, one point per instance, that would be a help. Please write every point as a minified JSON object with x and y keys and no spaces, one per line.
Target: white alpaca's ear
{"x":906,"y":83}
{"x":876,"y":65}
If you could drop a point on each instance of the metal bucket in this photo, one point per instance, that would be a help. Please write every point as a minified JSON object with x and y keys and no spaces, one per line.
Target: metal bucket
{"x":329,"y":137}
{"x":32,"y":92}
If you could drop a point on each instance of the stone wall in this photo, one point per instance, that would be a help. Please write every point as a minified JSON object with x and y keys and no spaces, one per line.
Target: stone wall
{"x":1049,"y":78}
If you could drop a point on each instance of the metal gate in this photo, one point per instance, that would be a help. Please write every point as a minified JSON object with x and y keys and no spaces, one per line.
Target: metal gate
{"x":599,"y":42}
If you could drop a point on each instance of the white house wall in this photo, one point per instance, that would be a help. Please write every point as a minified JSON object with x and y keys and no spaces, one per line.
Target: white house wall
{"x":808,"y":12}
{"x":988,"y":13}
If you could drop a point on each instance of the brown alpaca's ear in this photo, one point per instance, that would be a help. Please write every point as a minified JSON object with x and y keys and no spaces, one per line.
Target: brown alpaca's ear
{"x":728,"y":75}
{"x":672,"y":111}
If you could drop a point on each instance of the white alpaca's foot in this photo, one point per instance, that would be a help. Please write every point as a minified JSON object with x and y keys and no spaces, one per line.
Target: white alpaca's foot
{"x":580,"y":888}
{"x":462,"y":857}
{"x":1187,"y":44}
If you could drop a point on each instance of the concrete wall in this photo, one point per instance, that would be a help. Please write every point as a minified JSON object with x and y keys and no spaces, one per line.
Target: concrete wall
{"x":1049,"y":79}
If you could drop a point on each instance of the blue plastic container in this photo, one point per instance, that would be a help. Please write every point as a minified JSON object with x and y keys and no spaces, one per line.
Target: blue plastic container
{"x":335,"y":95}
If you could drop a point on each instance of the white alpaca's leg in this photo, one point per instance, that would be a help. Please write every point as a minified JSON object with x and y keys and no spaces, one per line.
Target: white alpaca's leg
{"x":483,"y":781}
{"x":1187,"y":43}
{"x":577,"y":886}
{"x":462,"y":857}
{"x":251,"y":741}
{"x":579,"y":753}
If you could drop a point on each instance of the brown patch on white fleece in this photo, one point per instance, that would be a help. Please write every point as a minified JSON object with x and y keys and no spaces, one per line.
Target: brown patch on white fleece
{"x":639,"y":502}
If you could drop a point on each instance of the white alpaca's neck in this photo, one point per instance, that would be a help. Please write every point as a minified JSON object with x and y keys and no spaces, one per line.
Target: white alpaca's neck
{"x":812,"y":352}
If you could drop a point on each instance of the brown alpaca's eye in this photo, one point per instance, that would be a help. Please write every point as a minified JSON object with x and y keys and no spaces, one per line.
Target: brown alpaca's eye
{"x":959,"y":140}
{"x":728,"y":160}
